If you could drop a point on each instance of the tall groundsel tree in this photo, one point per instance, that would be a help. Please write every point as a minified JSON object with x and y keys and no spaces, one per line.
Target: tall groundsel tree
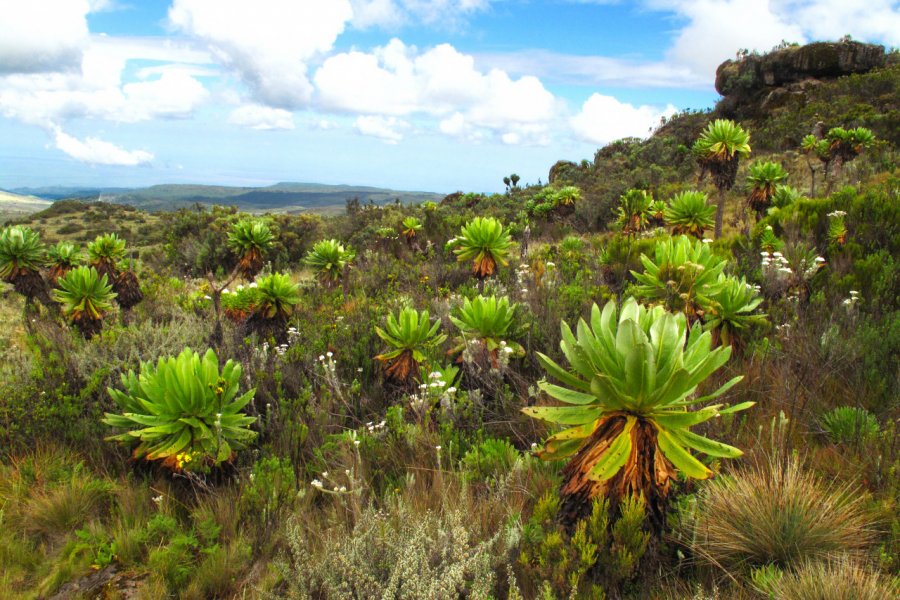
{"x":764,"y":179}
{"x":250,"y":239}
{"x":629,"y":401}
{"x":718,"y":151}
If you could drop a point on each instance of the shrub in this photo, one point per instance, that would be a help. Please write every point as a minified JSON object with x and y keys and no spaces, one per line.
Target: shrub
{"x":846,"y":424}
{"x":634,"y":373}
{"x":399,"y":553}
{"x":776,"y":512}
{"x":184,"y":411}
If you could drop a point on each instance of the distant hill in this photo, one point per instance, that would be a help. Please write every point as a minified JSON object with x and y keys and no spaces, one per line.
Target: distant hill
{"x":285,"y":197}
{"x":17,"y":205}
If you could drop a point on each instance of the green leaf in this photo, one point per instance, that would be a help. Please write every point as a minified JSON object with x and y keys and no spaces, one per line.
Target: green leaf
{"x":680,"y":457}
{"x":564,"y":415}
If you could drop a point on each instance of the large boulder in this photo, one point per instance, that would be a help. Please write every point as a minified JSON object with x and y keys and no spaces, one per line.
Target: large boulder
{"x":820,"y":60}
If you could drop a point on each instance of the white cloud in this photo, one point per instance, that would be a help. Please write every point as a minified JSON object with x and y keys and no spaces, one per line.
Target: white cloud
{"x":164,"y":91}
{"x":268,"y":42}
{"x":832,"y":19}
{"x":603,"y":119}
{"x":441,"y":82}
{"x":717,"y":29}
{"x":388,"y":129}
{"x":581,"y":70}
{"x":96,"y":151}
{"x":262,"y":118}
{"x":42,"y":35}
{"x":391,"y":14}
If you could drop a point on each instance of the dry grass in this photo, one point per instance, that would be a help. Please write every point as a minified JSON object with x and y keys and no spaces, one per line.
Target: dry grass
{"x":776,"y":512}
{"x":840,"y":579}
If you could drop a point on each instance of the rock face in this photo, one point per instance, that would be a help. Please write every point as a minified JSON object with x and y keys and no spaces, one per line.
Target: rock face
{"x":821,"y":60}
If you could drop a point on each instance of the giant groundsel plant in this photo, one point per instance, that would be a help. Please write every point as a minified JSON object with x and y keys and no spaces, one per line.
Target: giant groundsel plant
{"x":183,"y":411}
{"x":629,"y":405}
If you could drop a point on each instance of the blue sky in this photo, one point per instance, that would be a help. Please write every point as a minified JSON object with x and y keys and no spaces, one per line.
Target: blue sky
{"x":437,"y":95}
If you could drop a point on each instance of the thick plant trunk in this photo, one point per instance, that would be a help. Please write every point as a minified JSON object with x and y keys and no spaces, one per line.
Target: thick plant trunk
{"x":720,"y":212}
{"x":646,"y":473}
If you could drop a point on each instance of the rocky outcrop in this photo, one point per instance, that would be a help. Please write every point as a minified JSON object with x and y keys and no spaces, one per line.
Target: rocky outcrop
{"x":820,"y":60}
{"x":757,"y":85}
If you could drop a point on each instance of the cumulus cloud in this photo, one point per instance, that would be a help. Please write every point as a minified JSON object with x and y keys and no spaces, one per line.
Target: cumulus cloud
{"x":832,"y":19}
{"x":262,"y":118}
{"x":96,"y":151}
{"x":717,"y":29}
{"x":603,"y":119}
{"x":392,"y":14}
{"x":267,"y":42}
{"x":168,"y":90}
{"x":441,"y":82}
{"x":42,"y":35}
{"x":388,"y":129}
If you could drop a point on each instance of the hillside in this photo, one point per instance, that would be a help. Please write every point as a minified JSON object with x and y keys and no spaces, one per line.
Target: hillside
{"x":14,"y":205}
{"x":573,"y":390}
{"x":282,"y":197}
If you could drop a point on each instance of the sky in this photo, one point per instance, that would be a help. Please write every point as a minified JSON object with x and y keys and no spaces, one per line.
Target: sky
{"x":431,"y":95}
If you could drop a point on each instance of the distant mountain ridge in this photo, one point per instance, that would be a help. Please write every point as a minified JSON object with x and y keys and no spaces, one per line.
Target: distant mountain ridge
{"x":280,"y":197}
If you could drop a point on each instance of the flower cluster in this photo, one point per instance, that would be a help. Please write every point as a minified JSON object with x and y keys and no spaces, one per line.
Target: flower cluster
{"x":850,"y":303}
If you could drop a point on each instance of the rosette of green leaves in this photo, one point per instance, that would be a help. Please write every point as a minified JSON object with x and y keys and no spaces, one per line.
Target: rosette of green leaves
{"x":411,"y":227}
{"x":763,"y":178}
{"x":689,"y":213}
{"x":250,"y":239}
{"x":329,"y":258}
{"x":768,"y":241}
{"x":567,"y":196}
{"x":639,"y":366}
{"x":849,"y":143}
{"x":105,"y":252}
{"x":485,"y":242}
{"x":682,"y":276}
{"x":732,"y":310}
{"x":785,"y":195}
{"x":239,"y":304}
{"x":409,"y":336}
{"x":634,"y":207}
{"x":64,"y":254}
{"x":275,"y":296}
{"x":488,"y":320}
{"x":722,"y":140}
{"x":409,"y":331}
{"x":21,"y":252}
{"x":184,"y":411}
{"x":85,"y":297}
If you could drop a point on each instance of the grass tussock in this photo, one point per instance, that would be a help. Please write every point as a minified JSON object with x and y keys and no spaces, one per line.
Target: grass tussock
{"x":840,"y":579}
{"x":777,"y":512}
